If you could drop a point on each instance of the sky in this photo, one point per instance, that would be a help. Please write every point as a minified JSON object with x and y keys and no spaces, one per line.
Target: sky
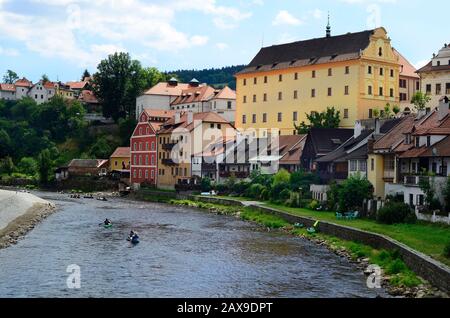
{"x":61,"y":38}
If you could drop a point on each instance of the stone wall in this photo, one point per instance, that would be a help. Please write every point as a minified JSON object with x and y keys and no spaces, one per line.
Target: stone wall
{"x":435,"y":272}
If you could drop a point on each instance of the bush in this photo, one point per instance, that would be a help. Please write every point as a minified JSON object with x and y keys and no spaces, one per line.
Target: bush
{"x":241,"y":187}
{"x":221,"y":188}
{"x":447,"y":250}
{"x":284,"y":195}
{"x":294,"y":200}
{"x":395,"y":212}
{"x":255,"y":191}
{"x":313,"y":205}
{"x":353,"y":192}
{"x":282,"y":176}
{"x":28,"y":166}
{"x":277,"y":189}
{"x":206,"y":185}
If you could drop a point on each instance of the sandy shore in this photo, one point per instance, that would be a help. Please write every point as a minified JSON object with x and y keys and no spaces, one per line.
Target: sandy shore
{"x":19,"y":214}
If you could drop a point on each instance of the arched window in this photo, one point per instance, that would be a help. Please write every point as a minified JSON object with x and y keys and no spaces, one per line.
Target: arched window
{"x":380,"y":51}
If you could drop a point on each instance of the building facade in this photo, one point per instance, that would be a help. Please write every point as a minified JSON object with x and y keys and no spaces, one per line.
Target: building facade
{"x":355,"y":72}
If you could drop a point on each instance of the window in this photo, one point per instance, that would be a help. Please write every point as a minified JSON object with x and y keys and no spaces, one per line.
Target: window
{"x":280,"y":95}
{"x":438,"y":89}
{"x":346,"y":90}
{"x":403,"y":97}
{"x":408,"y":139}
{"x":347,"y":70}
{"x":428,"y":89}
{"x":392,"y":73}
{"x":380,"y":51}
{"x":135,"y":146}
{"x":417,"y":85}
{"x":264,"y":118}
{"x":403,"y":83}
{"x":330,"y":72}
{"x":370,"y":113}
{"x":255,"y":81}
{"x":295,"y":94}
{"x":140,"y":146}
{"x":428,"y":141}
{"x":296,"y":76}
{"x":363,"y":165}
{"x":372,"y":164}
{"x":381,"y":91}
{"x":353,"y":165}
{"x":381,"y":71}
{"x":244,"y":82}
{"x":254,"y":118}
{"x":146,"y":146}
{"x":447,"y":88}
{"x":330,"y":91}
{"x":244,"y":99}
{"x":265,"y":97}
{"x":153,"y":146}
{"x":369,"y":69}
{"x":295,"y":116}
{"x":346,"y":113}
{"x":280,"y":77}
{"x":229,"y":105}
{"x":254,"y":98}
{"x":244,"y":119}
{"x":280,"y":117}
{"x":265,"y":79}
{"x":369,"y":90}
{"x":313,"y":93}
{"x":391,"y":92}
{"x":313,"y":74}
{"x":212,"y":126}
{"x":417,"y":142}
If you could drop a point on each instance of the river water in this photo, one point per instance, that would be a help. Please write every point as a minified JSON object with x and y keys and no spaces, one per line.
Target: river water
{"x":183,"y":253}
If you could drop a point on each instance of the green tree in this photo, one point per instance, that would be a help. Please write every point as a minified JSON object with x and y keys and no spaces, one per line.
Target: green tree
{"x":330,"y":118}
{"x":44,"y":166}
{"x":7,"y":166}
{"x":85,"y":74}
{"x":44,"y":78}
{"x":117,"y":83}
{"x":353,"y":191}
{"x":28,"y":166}
{"x":101,"y":149}
{"x":396,"y":109}
{"x":447,"y":195}
{"x":5,"y":144}
{"x":153,"y":76}
{"x":10,"y":77}
{"x":126,"y":128}
{"x":282,"y":176}
{"x":420,"y":100}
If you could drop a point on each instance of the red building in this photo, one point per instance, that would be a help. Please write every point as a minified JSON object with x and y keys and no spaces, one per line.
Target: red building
{"x":144,"y":148}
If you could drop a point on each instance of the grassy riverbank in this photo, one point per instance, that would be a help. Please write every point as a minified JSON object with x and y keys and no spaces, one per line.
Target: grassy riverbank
{"x":398,"y":276}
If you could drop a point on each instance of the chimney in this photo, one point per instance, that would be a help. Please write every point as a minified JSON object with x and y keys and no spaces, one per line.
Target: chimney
{"x":370,"y":143}
{"x":190,"y":118}
{"x":443,"y":108}
{"x":177,"y":118}
{"x":377,"y":126}
{"x":358,"y":129}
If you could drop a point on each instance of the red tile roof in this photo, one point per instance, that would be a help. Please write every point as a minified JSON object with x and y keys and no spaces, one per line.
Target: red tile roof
{"x":77,"y":85}
{"x":23,"y":83}
{"x":161,"y":113}
{"x":121,"y":152}
{"x":430,"y":68}
{"x":8,"y":87}
{"x":166,"y":89}
{"x":194,"y":95}
{"x":87,"y":96}
{"x":395,"y":136}
{"x":407,"y":68}
{"x":208,"y":117}
{"x":225,"y":93}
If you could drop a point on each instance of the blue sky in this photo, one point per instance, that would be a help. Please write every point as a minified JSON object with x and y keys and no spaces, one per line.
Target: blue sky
{"x":62,"y":37}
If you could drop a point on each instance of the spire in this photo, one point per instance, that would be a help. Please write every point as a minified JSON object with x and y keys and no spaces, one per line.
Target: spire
{"x":328,"y":27}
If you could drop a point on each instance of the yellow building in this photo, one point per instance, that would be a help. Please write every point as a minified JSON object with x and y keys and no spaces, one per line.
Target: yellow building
{"x":356,"y":73}
{"x":120,"y":160}
{"x":183,"y":136}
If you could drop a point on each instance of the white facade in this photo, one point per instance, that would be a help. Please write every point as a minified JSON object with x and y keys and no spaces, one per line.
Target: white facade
{"x":7,"y":95}
{"x":21,"y":92}
{"x":225,"y":108}
{"x":41,"y":94}
{"x":153,"y":102}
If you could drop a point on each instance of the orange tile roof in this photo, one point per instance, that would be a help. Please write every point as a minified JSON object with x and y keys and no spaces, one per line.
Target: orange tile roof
{"x":396,"y":135}
{"x":407,"y":68}
{"x":8,"y":87}
{"x":225,"y":93}
{"x":77,"y":85}
{"x":160,"y":113}
{"x":23,"y":83}
{"x":49,"y":85}
{"x":121,"y":152}
{"x":166,"y":89}
{"x":194,"y":95}
{"x":208,"y":117}
{"x":88,"y":97}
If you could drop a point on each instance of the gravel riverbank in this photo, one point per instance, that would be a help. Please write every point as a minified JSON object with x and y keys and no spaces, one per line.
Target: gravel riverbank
{"x":19,"y":214}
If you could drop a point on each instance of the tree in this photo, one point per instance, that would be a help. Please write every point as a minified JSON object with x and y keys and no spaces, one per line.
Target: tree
{"x":446,"y":194}
{"x":152,"y":76}
{"x":282,"y":176}
{"x":420,"y":100}
{"x":85,"y":74}
{"x":28,"y":166}
{"x":126,"y":128}
{"x":396,"y":109}
{"x":331,"y":118}
{"x":45,"y":78}
{"x":101,"y":149}
{"x":10,"y":77}
{"x":117,"y":83}
{"x":353,"y":192}
{"x":44,"y":166}
{"x":5,"y":143}
{"x":7,"y":166}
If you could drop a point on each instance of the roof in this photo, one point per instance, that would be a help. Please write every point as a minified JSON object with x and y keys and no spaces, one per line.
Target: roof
{"x":208,"y":117}
{"x":314,"y":51}
{"x":291,"y":148}
{"x":441,"y":149}
{"x":121,"y":152}
{"x":87,"y":163}
{"x":193,"y":95}
{"x":407,"y":68}
{"x":23,"y":83}
{"x":88,"y":97}
{"x":77,"y":85}
{"x":8,"y":87}
{"x":396,"y":135}
{"x":325,"y":140}
{"x":49,"y":85}
{"x":430,"y":68}
{"x":225,"y":93}
{"x":166,"y":89}
{"x":161,"y":113}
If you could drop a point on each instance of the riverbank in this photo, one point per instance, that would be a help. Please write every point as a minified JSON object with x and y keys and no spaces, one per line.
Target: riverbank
{"x":397,"y":278}
{"x":20,"y":212}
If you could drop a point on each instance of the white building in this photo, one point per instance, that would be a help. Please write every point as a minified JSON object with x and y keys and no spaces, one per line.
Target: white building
{"x":42,"y":92}
{"x":435,"y":76}
{"x":23,"y":86}
{"x":7,"y":92}
{"x":224,"y":103}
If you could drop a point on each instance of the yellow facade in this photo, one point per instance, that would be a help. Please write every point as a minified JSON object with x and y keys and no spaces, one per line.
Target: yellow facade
{"x":119,"y":163}
{"x":312,"y":88}
{"x":375,"y":174}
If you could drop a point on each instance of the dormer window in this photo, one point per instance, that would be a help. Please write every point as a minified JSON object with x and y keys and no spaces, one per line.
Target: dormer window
{"x":417,"y":142}
{"x":408,"y":139}
{"x":428,"y":141}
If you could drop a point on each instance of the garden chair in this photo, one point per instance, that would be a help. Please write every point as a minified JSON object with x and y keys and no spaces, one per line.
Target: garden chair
{"x":339,"y":216}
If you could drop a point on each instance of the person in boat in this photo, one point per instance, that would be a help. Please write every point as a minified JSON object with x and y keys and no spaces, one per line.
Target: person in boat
{"x":132,"y":234}
{"x":107,"y":222}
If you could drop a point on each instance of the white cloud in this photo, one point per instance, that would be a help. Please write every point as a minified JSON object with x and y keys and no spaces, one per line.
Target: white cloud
{"x":286,"y":38}
{"x":421,"y":63}
{"x":9,"y":52}
{"x":368,"y":1}
{"x":110,"y":23}
{"x":285,"y":18}
{"x":317,"y":14}
{"x":222,"y":46}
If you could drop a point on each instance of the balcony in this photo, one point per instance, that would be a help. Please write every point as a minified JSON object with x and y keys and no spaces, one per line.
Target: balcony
{"x":389,"y":175}
{"x":326,"y":177}
{"x":415,"y":180}
{"x":168,"y":162}
{"x":168,"y":147}
{"x":237,"y":174}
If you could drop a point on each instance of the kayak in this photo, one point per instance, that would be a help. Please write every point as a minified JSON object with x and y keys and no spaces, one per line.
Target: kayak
{"x":311,"y":230}
{"x":107,"y":226}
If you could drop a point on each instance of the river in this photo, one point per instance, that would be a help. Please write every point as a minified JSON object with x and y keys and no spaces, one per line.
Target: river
{"x":183,"y":253}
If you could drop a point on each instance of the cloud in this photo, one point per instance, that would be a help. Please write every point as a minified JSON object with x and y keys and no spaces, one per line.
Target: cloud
{"x":222,"y":46}
{"x":285,"y":18}
{"x":9,"y":52}
{"x":368,"y":1}
{"x":65,"y":28}
{"x":421,"y":63}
